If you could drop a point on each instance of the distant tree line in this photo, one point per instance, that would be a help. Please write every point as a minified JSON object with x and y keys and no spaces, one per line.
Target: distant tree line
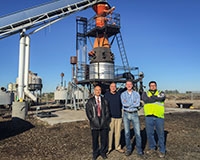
{"x":48,"y":96}
{"x":171,"y":91}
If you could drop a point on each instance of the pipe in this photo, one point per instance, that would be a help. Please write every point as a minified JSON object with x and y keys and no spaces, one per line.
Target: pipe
{"x":27,"y":60}
{"x":26,"y":69}
{"x":30,"y":95}
{"x":21,"y":67}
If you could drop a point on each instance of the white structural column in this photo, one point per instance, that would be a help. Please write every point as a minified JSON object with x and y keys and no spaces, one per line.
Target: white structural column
{"x":23,"y":74}
{"x":19,"y":108}
{"x":27,"y":61}
{"x":21,"y":67}
{"x":26,"y":69}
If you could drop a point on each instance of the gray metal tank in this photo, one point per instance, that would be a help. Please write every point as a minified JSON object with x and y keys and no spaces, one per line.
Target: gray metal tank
{"x":101,"y":70}
{"x":6,"y":98}
{"x":101,"y":64}
{"x":35,"y":82}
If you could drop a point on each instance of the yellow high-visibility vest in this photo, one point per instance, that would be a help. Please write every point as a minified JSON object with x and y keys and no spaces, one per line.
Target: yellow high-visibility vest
{"x":156,"y":108}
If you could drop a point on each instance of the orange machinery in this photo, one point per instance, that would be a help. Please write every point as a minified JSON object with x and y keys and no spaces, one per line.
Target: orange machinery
{"x":101,"y":57}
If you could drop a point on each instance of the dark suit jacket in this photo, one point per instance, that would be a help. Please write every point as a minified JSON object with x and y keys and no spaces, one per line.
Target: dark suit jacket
{"x":91,"y":112}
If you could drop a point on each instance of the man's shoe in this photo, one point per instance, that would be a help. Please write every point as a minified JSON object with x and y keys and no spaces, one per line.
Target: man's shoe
{"x":150,"y":151}
{"x":128,"y":153}
{"x":108,"y":152}
{"x":120,"y":150}
{"x":141,"y":156}
{"x":104,"y":156}
{"x":161,"y":155}
{"x":94,"y":158}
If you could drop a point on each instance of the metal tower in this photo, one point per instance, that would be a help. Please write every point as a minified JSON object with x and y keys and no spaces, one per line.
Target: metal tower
{"x":101,"y":30}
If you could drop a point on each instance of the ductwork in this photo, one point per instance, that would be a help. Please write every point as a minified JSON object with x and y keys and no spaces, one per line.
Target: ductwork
{"x":23,"y":78}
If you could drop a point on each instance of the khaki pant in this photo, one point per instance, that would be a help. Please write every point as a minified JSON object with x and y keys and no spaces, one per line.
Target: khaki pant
{"x":115,"y":130}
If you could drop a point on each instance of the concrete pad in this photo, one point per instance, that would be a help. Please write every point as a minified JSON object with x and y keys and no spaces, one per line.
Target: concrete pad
{"x":68,"y":115}
{"x":62,"y":116}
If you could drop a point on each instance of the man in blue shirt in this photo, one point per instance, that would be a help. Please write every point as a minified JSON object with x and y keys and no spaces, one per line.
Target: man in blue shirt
{"x":130,"y":103}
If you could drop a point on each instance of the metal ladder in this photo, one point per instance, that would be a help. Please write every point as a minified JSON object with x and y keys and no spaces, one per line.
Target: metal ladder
{"x":122,"y":52}
{"x":81,"y":50}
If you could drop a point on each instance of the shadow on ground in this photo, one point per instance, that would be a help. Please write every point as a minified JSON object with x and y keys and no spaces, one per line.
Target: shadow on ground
{"x":143,"y":136}
{"x":13,"y":127}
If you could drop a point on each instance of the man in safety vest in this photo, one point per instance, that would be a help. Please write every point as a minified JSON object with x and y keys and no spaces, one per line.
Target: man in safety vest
{"x":154,"y":118}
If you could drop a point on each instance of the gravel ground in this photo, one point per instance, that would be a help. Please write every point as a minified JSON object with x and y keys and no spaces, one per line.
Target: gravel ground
{"x":35,"y":140}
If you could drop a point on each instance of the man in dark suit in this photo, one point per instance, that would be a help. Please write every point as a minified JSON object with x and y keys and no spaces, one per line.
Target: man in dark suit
{"x":98,"y":114}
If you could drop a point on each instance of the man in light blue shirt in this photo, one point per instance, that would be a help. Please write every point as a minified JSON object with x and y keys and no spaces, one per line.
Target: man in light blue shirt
{"x":131,"y":101}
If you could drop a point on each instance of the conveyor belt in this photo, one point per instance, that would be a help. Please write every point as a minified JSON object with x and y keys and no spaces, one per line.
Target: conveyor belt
{"x":41,"y":15}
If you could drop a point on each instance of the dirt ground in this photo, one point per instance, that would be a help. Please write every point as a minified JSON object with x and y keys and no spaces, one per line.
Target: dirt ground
{"x":34,"y":140}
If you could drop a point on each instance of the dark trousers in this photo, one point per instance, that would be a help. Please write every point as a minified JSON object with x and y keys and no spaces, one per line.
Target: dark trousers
{"x":102,"y":135}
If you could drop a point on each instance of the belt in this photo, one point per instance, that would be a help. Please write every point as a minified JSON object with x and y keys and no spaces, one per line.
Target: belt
{"x":152,"y":116}
{"x":130,"y":111}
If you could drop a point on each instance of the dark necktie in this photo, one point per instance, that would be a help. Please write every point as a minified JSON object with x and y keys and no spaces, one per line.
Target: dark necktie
{"x":98,"y":107}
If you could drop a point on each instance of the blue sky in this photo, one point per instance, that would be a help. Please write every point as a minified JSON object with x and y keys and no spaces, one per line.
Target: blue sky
{"x":161,"y":37}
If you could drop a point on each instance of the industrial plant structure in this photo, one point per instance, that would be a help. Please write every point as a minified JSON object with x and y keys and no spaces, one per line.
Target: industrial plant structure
{"x":99,"y":68}
{"x":101,"y":30}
